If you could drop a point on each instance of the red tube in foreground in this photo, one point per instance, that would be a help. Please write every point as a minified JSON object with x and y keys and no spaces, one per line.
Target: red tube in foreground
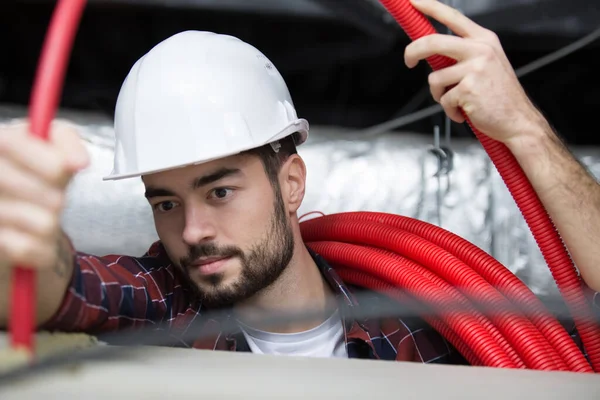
{"x":44,"y":100}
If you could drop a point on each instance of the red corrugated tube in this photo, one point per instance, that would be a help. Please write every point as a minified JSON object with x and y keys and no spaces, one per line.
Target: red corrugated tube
{"x":441,"y":269}
{"x":45,"y":96}
{"x":436,"y":267}
{"x":552,"y":247}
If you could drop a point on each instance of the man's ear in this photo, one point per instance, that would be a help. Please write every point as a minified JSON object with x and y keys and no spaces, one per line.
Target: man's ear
{"x":293,"y":182}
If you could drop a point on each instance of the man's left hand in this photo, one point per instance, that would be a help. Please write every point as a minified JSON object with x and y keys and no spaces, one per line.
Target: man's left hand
{"x":484,"y":83}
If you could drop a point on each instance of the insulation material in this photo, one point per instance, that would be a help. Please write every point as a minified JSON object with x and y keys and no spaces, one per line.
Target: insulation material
{"x":394,"y":173}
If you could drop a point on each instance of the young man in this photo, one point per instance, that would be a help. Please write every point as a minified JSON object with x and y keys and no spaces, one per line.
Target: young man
{"x":208,"y":124}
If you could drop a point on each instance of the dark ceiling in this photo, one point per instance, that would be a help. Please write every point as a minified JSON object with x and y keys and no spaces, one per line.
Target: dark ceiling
{"x":344,"y":67}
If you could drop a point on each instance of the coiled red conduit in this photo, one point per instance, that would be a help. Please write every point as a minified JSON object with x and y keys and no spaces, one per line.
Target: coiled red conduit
{"x":476,"y":337}
{"x":507,"y":340}
{"x":380,"y":251}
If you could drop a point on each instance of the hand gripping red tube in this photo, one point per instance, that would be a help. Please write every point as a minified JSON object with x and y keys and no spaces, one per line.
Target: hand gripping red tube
{"x":530,"y":344}
{"x":44,"y":100}
{"x":552,"y":247}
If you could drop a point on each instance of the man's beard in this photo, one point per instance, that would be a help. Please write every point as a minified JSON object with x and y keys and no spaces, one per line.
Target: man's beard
{"x":262,"y":265}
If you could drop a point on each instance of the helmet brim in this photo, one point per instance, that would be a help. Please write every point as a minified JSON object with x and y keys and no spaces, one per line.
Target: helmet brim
{"x":299,"y":127}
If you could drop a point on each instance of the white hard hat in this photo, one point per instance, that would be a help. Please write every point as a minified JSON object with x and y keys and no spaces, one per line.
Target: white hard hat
{"x":196,"y":97}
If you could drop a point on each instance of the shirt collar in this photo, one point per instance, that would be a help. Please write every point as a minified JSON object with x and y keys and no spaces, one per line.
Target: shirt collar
{"x":347,"y":302}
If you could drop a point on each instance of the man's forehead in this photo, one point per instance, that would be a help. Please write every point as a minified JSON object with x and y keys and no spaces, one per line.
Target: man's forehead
{"x":238,"y":161}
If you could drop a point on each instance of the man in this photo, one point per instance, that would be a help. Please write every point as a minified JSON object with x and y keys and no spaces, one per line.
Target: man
{"x":207,"y":122}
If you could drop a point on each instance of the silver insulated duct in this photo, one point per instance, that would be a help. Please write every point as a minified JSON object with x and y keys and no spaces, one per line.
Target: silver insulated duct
{"x":393,"y":173}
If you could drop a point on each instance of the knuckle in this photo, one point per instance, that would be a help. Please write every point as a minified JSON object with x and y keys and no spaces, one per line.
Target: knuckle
{"x":436,"y":93}
{"x":433,"y":93}
{"x":419,"y":45}
{"x":20,"y":249}
{"x":467,"y":85}
{"x":55,"y":201}
{"x":492,"y":38}
{"x":445,"y":100}
{"x":66,"y":131}
{"x":430,"y":41}
{"x":72,"y":131}
{"x":479,"y":65}
{"x":68,"y":134}
{"x":488,"y":53}
{"x":27,"y":250}
{"x":433,"y":79}
{"x":56,"y":174}
{"x":409,"y":53}
{"x":47,"y":225}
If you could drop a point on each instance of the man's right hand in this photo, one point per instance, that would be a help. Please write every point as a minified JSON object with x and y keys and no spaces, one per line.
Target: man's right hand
{"x":34,"y":175}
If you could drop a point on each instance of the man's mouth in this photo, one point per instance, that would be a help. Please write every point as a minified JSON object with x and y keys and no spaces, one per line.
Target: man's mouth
{"x":209,"y":265}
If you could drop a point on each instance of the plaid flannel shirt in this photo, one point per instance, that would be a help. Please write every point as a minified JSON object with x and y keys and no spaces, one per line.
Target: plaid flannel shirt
{"x":117,"y":292}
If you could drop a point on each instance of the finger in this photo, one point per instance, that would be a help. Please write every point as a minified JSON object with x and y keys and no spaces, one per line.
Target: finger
{"x":66,"y":138}
{"x":450,"y":17}
{"x":20,"y":184}
{"x":34,"y":155}
{"x":442,"y":80}
{"x":25,"y":250}
{"x":452,"y":106}
{"x":454,"y":47}
{"x":28,"y":218}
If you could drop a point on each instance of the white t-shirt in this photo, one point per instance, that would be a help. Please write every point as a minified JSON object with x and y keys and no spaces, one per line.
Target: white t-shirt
{"x":325,"y":340}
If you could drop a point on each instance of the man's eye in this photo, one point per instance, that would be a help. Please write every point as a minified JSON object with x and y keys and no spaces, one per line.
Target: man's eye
{"x":221,"y":193}
{"x":165,"y":206}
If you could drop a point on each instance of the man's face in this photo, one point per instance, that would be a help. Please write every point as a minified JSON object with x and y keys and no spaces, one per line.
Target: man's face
{"x":224,"y":224}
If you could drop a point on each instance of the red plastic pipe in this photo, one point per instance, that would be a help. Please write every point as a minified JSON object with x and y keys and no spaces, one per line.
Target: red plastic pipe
{"x":416,"y":25}
{"x":490,"y":270}
{"x":357,"y":277}
{"x":45,"y":97}
{"x":434,"y":274}
{"x":466,"y":325}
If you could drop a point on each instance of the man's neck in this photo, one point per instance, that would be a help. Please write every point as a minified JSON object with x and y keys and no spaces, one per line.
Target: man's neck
{"x":300,"y":288}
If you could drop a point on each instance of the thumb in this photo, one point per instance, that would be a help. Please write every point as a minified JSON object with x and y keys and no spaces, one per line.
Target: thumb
{"x":67,"y":140}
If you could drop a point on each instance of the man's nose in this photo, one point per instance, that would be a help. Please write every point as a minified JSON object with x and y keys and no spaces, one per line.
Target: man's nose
{"x":199,"y":226}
